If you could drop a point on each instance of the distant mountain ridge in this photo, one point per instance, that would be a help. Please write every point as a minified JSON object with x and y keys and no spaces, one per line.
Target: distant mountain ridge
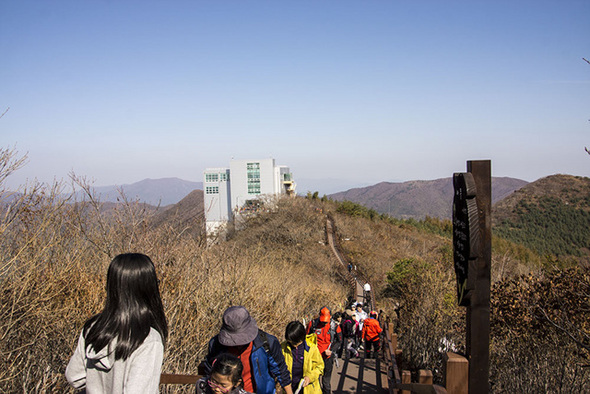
{"x":164,"y":191}
{"x":418,"y":199}
{"x":412,"y":199}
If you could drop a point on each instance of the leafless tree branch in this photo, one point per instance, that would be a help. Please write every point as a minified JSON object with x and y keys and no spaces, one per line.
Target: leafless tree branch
{"x":584,"y":343}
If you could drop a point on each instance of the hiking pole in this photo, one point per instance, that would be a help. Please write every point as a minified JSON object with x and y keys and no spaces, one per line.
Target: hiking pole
{"x":335,"y":356}
{"x":299,"y":387}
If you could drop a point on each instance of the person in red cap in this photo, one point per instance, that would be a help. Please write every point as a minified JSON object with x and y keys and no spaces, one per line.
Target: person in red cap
{"x":371,"y":331}
{"x":321,"y":327}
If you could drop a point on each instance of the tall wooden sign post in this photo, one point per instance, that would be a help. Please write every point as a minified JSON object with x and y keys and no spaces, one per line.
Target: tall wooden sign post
{"x":472,"y":246}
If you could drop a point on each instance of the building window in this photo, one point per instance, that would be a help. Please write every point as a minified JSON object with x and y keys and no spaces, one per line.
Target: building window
{"x":253,"y":171}
{"x":211,"y":178}
{"x":253,"y":166}
{"x":224,"y":176}
{"x":212,"y":190}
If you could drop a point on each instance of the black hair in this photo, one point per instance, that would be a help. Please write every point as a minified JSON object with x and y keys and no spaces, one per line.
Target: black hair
{"x":295,"y":332}
{"x":132,"y":307}
{"x":228,"y":365}
{"x":337,"y":315}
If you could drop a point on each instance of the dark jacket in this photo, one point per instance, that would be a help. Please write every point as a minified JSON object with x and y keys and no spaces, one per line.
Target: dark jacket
{"x":348,"y":327}
{"x":266,"y":366}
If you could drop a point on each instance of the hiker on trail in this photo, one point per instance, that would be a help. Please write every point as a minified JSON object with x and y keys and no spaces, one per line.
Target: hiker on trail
{"x":367,"y":293}
{"x":121,"y":349}
{"x":303,"y":359}
{"x":321,"y":327}
{"x":349,"y":267}
{"x":259,"y":352}
{"x":348,"y":334}
{"x":371,"y":331}
{"x":225,"y":377}
{"x":337,"y":338}
{"x":360,"y":315}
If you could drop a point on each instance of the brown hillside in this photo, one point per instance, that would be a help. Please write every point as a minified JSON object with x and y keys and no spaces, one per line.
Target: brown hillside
{"x":186,"y":215}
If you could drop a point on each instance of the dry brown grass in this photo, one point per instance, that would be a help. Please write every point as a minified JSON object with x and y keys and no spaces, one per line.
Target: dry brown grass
{"x":54,"y":255}
{"x":55,"y":252}
{"x":528,"y":361}
{"x":426,"y":308}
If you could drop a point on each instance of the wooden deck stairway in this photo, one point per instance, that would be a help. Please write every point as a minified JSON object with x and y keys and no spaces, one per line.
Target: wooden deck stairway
{"x":381,"y":375}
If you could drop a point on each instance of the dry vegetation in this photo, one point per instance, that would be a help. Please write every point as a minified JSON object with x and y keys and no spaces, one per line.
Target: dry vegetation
{"x":540,"y":312}
{"x":55,"y":251}
{"x":54,"y":255}
{"x":411,"y":272}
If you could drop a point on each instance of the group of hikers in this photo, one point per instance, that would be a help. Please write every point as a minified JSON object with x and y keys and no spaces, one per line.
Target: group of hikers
{"x":120,"y":350}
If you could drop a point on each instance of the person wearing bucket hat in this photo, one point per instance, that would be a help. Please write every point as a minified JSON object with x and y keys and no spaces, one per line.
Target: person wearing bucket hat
{"x":260,"y":352}
{"x":322,"y":328}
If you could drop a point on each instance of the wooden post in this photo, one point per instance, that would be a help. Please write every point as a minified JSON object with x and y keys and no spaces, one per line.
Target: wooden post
{"x":393,"y":338}
{"x":398,"y":357}
{"x":425,"y":376}
{"x":456,"y":374}
{"x":406,"y":378}
{"x":478,"y":312}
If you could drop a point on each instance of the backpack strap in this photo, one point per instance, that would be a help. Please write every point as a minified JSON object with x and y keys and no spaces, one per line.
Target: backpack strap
{"x":264,"y":338}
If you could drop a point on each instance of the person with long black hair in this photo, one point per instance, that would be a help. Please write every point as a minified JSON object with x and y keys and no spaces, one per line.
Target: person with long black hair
{"x":121,"y":349}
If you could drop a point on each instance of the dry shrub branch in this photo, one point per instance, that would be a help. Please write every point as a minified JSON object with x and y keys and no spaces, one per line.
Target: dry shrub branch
{"x":55,"y":250}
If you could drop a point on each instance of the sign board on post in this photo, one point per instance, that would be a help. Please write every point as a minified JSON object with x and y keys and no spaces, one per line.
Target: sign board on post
{"x":465,"y":235}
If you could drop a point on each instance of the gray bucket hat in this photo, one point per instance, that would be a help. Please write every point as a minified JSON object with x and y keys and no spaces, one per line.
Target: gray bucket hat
{"x":238,"y":328}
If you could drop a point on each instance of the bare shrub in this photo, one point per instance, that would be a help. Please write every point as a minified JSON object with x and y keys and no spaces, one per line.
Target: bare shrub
{"x":56,"y":249}
{"x":540,"y":332}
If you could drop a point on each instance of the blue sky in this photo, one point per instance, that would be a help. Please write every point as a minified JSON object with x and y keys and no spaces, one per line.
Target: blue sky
{"x":353,"y":91}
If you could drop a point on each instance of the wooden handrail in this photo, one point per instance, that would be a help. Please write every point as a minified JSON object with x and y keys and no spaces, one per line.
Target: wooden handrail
{"x":458,"y":374}
{"x":171,"y":378}
{"x":394,"y":376}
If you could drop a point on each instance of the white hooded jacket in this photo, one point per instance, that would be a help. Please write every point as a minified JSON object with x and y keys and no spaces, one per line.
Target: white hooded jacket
{"x":99,"y":372}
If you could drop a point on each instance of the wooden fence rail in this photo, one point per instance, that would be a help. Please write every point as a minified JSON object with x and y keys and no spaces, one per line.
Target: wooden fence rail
{"x":456,"y":370}
{"x":456,"y":374}
{"x":170,"y":378}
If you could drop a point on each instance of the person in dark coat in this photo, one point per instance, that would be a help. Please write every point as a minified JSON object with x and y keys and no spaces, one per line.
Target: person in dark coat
{"x":260,"y":352}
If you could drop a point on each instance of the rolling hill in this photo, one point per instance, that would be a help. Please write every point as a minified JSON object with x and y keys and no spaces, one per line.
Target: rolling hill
{"x":186,"y":215}
{"x":550,"y":216}
{"x":418,"y":199}
{"x":162,"y":192}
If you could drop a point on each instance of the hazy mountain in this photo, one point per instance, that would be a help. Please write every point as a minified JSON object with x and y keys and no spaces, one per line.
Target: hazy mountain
{"x":324,"y":186}
{"x":417,"y":199}
{"x":164,"y":191}
{"x":185,"y":216}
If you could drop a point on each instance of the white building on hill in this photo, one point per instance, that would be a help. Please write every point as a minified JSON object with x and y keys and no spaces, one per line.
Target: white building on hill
{"x":239,"y":188}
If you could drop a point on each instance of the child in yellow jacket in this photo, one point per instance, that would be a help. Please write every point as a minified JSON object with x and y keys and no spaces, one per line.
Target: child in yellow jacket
{"x":303,"y":359}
